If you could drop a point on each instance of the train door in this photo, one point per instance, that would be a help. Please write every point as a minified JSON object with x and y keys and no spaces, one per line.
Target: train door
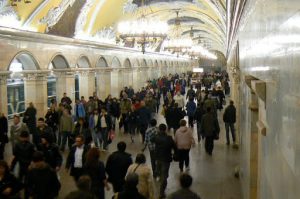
{"x":15,"y":97}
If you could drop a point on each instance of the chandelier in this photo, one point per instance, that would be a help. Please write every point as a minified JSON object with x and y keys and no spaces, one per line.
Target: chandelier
{"x":143,"y":31}
{"x":15,"y":2}
{"x":201,"y":51}
{"x":177,"y":44}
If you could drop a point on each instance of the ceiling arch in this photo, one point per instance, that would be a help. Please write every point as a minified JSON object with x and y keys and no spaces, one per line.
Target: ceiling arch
{"x":23,"y":61}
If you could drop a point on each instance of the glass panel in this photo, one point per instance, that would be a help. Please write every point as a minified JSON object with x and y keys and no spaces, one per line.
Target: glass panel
{"x":77,"y":87}
{"x":51,"y":89}
{"x":15,"y":97}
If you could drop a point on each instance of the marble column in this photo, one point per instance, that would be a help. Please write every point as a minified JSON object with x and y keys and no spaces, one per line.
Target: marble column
{"x":35,"y":90}
{"x":86,"y":83}
{"x":135,"y":78}
{"x":3,"y":90}
{"x":103,"y":83}
{"x":149,"y":72}
{"x":114,"y":83}
{"x":235,"y":96}
{"x":65,"y":83}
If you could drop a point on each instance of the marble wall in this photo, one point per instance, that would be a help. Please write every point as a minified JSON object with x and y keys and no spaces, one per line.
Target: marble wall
{"x":269,"y":50}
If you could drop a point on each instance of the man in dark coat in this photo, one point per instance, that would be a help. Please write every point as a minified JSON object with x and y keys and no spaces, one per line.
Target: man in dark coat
{"x":164,"y":144}
{"x":42,"y":128}
{"x":210,"y":129}
{"x":117,"y":165}
{"x":3,"y":134}
{"x":42,"y":181}
{"x":23,"y":152}
{"x":30,"y":119}
{"x":191,"y":94}
{"x":144,"y":116}
{"x":177,"y":115}
{"x":185,"y":192}
{"x":76,"y":158}
{"x":130,"y":188}
{"x":51,"y":151}
{"x":229,"y":117}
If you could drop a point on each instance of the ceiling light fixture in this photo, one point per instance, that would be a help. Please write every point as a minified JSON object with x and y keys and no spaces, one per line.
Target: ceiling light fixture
{"x":143,"y":31}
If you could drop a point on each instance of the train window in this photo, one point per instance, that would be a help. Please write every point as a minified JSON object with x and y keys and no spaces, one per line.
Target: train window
{"x":15,"y":97}
{"x":77,"y":87}
{"x":51,"y":89}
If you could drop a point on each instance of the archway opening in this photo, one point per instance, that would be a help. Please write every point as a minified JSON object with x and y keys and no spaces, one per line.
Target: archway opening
{"x":83,"y":62}
{"x":101,"y":63}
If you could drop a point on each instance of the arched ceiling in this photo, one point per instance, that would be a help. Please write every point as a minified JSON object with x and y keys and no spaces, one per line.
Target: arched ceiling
{"x":98,"y":19}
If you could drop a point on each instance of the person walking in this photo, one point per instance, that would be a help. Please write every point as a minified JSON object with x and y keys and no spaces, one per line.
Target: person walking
{"x":42,"y":181}
{"x":3,"y":134}
{"x":190,"y":111}
{"x":210,"y":129}
{"x":144,"y":116}
{"x":145,"y":185}
{"x":77,"y":157}
{"x":95,"y":169}
{"x":130,"y":188}
{"x":229,"y":117}
{"x":184,"y":192}
{"x":51,"y":152}
{"x":16,"y":128}
{"x":105,"y":125}
{"x":65,"y":130}
{"x":150,"y":133}
{"x":30,"y":119}
{"x":22,"y":151}
{"x":198,"y":117}
{"x":117,"y":165}
{"x":184,"y":141}
{"x":164,"y":144}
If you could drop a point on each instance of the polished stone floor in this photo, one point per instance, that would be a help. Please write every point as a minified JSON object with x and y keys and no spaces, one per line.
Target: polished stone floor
{"x":213,"y":176}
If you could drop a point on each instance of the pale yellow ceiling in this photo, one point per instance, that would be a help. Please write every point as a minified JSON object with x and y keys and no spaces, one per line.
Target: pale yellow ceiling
{"x":107,"y":13}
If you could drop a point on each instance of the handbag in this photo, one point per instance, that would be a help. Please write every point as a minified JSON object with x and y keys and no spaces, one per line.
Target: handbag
{"x":111,"y":135}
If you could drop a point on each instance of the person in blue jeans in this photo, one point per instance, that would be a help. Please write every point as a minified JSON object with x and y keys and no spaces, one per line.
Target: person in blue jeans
{"x":105,"y":126}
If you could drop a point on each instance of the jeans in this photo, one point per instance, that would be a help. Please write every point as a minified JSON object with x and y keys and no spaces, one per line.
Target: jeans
{"x":184,"y":158}
{"x":63,"y":138}
{"x":153,"y":163}
{"x":143,"y":128}
{"x":163,"y":170}
{"x":231,"y":126}
{"x":104,"y":135}
{"x":209,"y":144}
{"x":191,"y":121}
{"x":199,"y":134}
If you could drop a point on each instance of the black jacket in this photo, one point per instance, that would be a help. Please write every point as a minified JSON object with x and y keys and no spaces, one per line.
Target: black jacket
{"x":3,"y":130}
{"x":144,"y":115}
{"x":30,"y":119}
{"x":229,"y":115}
{"x":96,"y":172}
{"x":71,"y":158}
{"x":177,"y":114}
{"x":210,"y":125}
{"x":117,"y":165}
{"x":51,"y":154}
{"x":10,"y":181}
{"x":23,"y":152}
{"x":129,"y":193}
{"x":164,"y":144}
{"x":42,"y":182}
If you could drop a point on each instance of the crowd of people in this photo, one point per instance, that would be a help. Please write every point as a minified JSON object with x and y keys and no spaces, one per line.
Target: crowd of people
{"x":88,"y":127}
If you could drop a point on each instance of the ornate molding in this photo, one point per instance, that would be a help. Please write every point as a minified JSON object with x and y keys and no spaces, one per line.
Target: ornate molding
{"x":82,"y":18}
{"x":129,"y":7}
{"x":56,"y":13}
{"x":35,"y":75}
{"x":4,"y":76}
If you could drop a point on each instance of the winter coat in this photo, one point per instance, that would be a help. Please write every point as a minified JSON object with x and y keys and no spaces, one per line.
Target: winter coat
{"x":10,"y":181}
{"x":179,"y":99}
{"x":184,"y":138}
{"x":3,"y":130}
{"x":164,"y":144}
{"x":15,"y":131}
{"x":42,"y":182}
{"x":229,"y":115}
{"x":66,"y":123}
{"x":144,"y":115}
{"x":210,"y":125}
{"x":30,"y":119}
{"x":51,"y":154}
{"x":146,"y":184}
{"x":79,"y":111}
{"x":128,"y":193}
{"x":190,"y":108}
{"x":71,"y":158}
{"x":125,"y":106}
{"x":117,"y":165}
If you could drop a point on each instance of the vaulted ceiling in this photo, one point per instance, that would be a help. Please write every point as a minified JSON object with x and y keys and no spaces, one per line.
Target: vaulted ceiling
{"x":98,"y":19}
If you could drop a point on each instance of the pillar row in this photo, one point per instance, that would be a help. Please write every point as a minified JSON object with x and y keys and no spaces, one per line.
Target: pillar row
{"x":86,"y":83}
{"x":65,"y":83}
{"x":35,"y":89}
{"x":3,"y":90}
